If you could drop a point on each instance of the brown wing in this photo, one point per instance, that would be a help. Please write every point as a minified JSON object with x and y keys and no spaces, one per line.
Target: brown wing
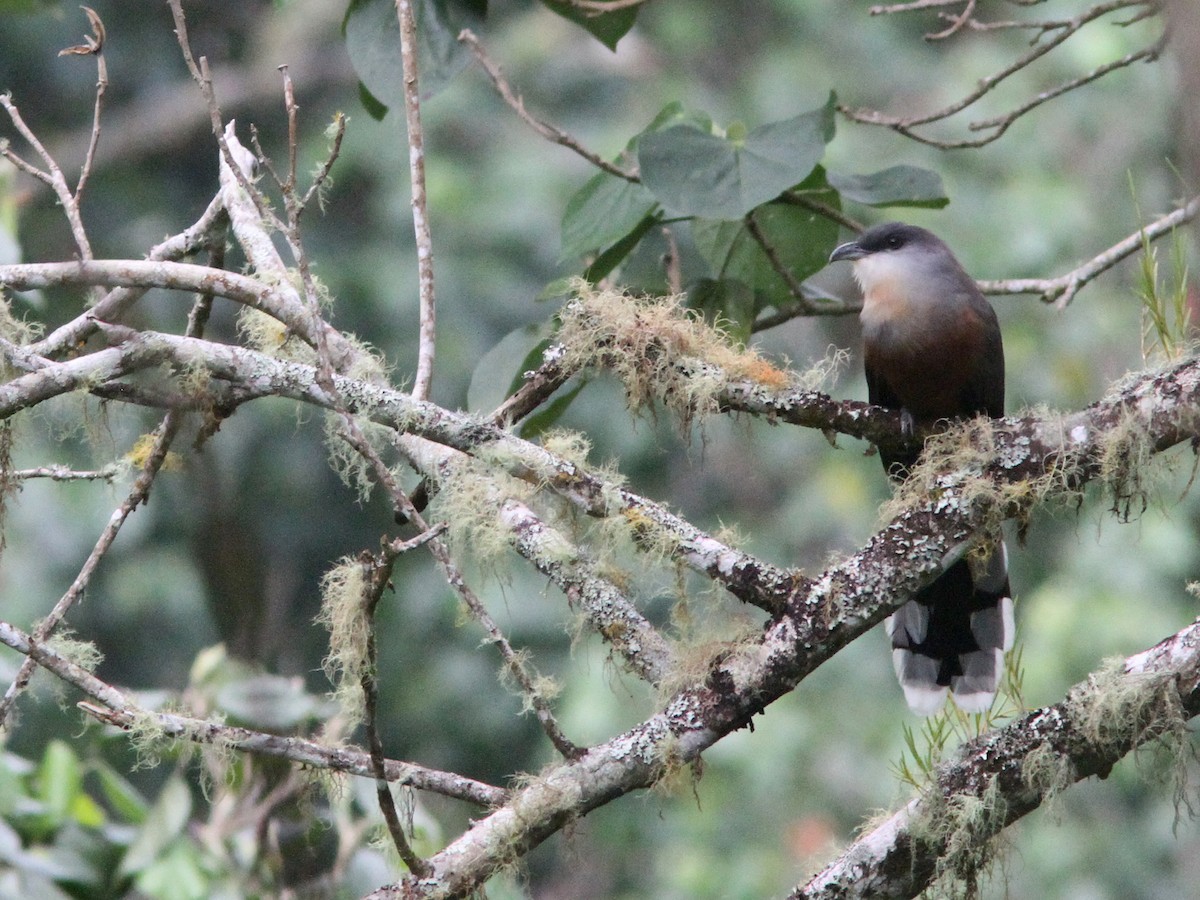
{"x":984,"y":389}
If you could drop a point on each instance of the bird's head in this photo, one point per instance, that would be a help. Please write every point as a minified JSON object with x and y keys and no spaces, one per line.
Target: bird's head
{"x":896,"y":254}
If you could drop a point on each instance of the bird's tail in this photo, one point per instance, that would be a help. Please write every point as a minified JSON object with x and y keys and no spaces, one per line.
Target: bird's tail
{"x":953,"y":636}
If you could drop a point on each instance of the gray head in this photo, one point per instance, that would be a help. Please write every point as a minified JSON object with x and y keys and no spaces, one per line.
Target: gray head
{"x":891,"y":237}
{"x":901,"y":254}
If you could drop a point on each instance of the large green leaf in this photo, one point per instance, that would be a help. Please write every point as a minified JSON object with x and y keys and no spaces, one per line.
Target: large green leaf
{"x":60,"y":780}
{"x":607,"y":28}
{"x":124,"y":799}
{"x":801,"y":238}
{"x":501,"y":370}
{"x":897,"y":186}
{"x":372,"y":34}
{"x":698,"y":173}
{"x":613,"y":256}
{"x":602,"y":211}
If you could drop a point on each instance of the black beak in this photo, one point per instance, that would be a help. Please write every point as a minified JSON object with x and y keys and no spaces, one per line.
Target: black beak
{"x":849,"y":250}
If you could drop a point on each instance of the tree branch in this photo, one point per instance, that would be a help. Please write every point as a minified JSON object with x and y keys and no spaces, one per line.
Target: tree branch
{"x":416,"y":161}
{"x":117,"y":709}
{"x":1014,"y":770}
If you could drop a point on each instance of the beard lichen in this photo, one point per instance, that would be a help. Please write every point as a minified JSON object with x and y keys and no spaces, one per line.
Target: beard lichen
{"x":1127,"y":466}
{"x":469,"y":496}
{"x":344,"y":614}
{"x":967,"y":827}
{"x":270,"y":336}
{"x":660,"y":351}
{"x":1118,"y":711}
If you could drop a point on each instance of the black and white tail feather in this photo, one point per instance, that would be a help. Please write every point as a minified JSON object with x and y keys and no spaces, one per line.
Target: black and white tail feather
{"x":941,"y":644}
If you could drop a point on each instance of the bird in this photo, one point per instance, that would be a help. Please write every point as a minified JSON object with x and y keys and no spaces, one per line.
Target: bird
{"x":932,"y":350}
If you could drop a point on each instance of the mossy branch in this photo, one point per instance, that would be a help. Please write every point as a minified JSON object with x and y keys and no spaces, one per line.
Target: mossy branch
{"x":1006,"y":774}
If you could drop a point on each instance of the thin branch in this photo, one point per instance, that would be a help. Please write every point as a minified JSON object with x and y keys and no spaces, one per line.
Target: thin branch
{"x":203,"y":78}
{"x":117,"y":709}
{"x":956,"y":23}
{"x":416,"y":162}
{"x":280,"y":300}
{"x":207,"y":232}
{"x":808,"y":299}
{"x":66,"y":473}
{"x":138,"y":493}
{"x":1062,"y":290}
{"x":93,"y":45}
{"x":1059,"y":30}
{"x":378,"y":570}
{"x":545,"y":129}
{"x":910,"y":7}
{"x":52,"y":176}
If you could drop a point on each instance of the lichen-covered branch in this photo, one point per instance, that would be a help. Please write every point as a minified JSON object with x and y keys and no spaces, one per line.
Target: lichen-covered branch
{"x":1008,"y":773}
{"x":814,"y":618}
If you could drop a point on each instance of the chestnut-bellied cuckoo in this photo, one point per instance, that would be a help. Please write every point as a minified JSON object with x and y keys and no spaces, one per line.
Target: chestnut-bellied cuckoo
{"x":932,"y":350}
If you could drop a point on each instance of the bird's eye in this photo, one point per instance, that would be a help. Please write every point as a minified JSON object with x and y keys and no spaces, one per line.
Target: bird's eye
{"x":894,"y":242}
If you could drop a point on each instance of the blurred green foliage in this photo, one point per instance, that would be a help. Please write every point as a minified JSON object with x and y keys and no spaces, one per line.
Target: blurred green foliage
{"x":231,"y":548}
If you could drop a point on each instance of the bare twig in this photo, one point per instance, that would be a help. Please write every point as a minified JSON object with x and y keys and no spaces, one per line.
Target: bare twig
{"x":910,"y":7}
{"x":1062,"y":290}
{"x":378,"y":570}
{"x":66,"y":473}
{"x":93,"y":45}
{"x":52,"y":175}
{"x":811,"y":303}
{"x":1059,"y":30}
{"x":201,"y":75}
{"x":545,"y":129}
{"x":956,"y":23}
{"x":137,"y":495}
{"x":416,"y":162}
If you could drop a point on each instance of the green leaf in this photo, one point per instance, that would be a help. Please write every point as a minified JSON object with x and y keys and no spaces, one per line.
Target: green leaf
{"x":698,"y":173}
{"x":727,"y":301}
{"x":375,"y":109}
{"x":267,"y":702}
{"x":802,"y":241}
{"x":177,"y":875}
{"x":372,"y":34}
{"x":166,"y":821}
{"x":500,"y":371}
{"x":59,"y":780}
{"x":124,"y":799}
{"x":604,"y":209}
{"x":607,"y":28}
{"x":897,"y":186}
{"x":547,"y":417}
{"x":611,"y":258}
